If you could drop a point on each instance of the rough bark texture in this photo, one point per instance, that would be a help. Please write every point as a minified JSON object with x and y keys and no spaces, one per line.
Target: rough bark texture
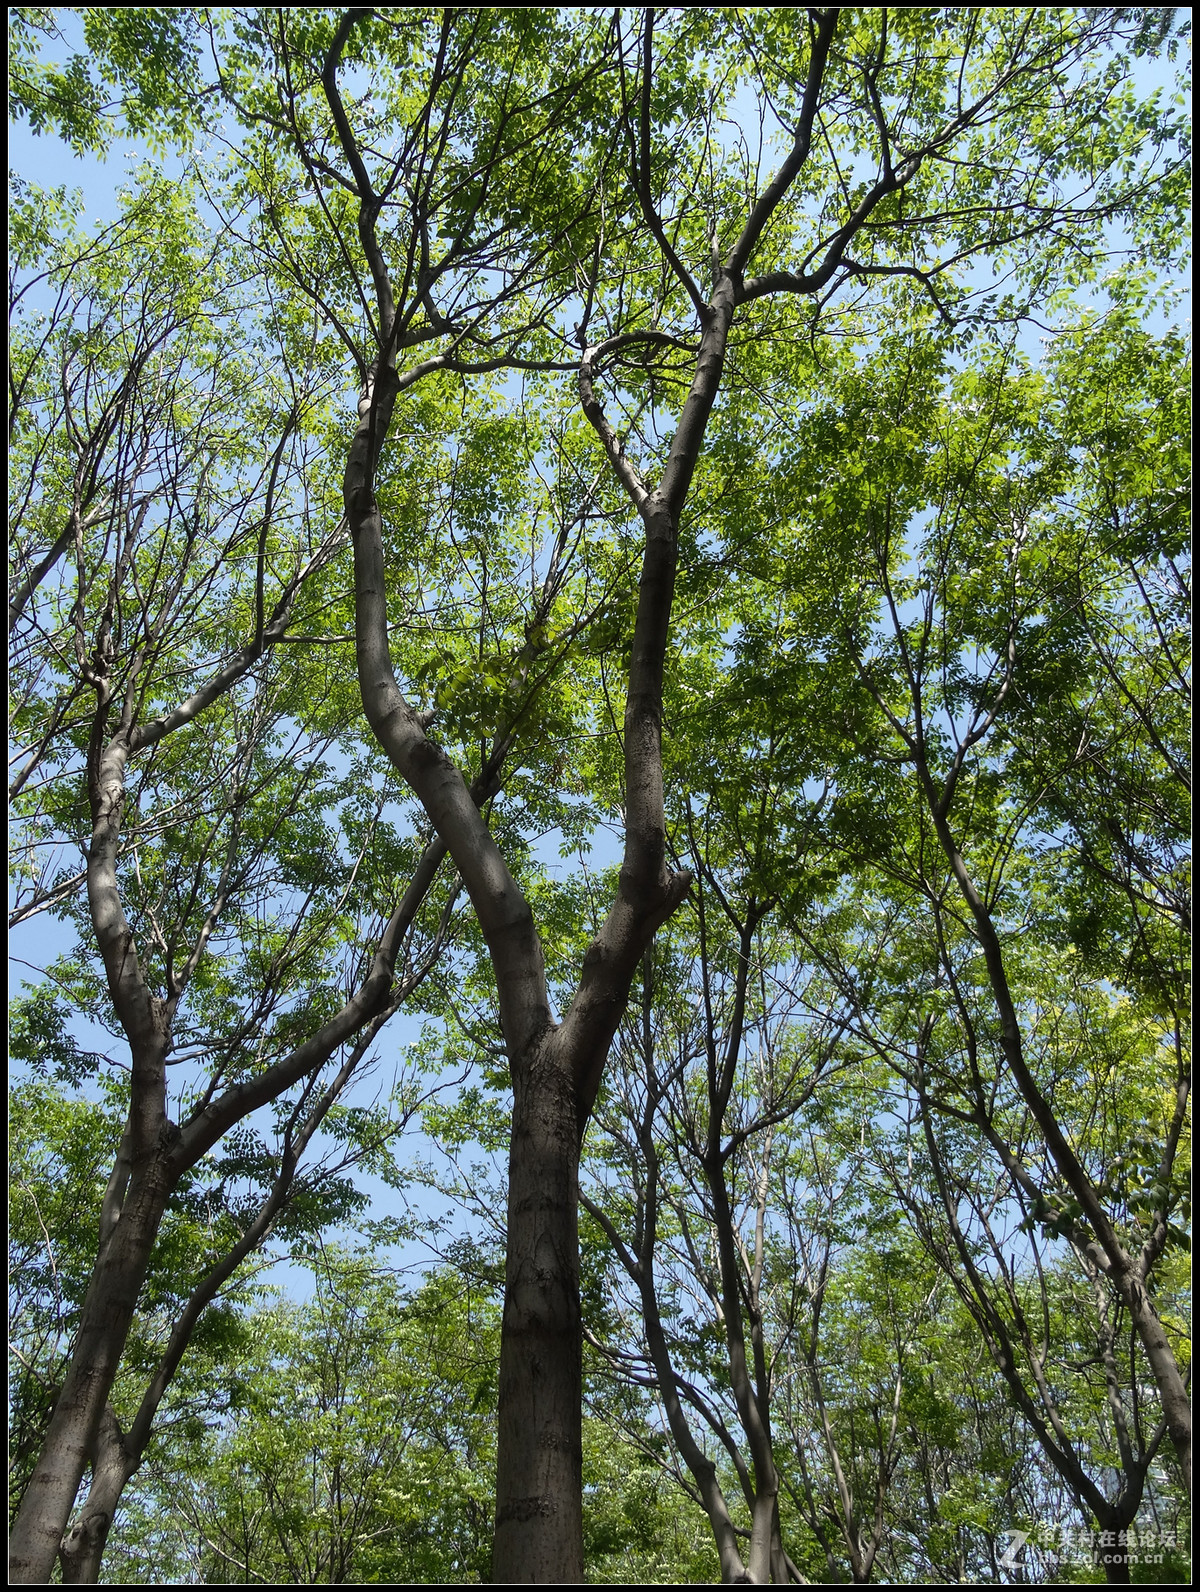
{"x":112,"y":1465}
{"x":540,"y":1457}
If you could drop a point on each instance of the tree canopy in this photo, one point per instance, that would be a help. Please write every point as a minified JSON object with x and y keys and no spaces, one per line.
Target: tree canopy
{"x":599,"y":640}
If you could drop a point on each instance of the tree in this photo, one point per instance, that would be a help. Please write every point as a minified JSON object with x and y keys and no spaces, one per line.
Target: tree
{"x":890,"y":965}
{"x":976,"y":991}
{"x":237,"y":892}
{"x":444,"y":201}
{"x":556,"y":1067}
{"x":359,"y":1446}
{"x":1016,"y":643}
{"x":731,"y":1041}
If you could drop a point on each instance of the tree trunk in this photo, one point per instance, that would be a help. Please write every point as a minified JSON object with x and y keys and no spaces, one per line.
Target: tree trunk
{"x":128,"y":1235}
{"x":83,"y":1546}
{"x":75,"y":1425}
{"x":1115,"y":1561}
{"x":704,"y":1472}
{"x":556,"y":1073}
{"x":1172,"y":1390}
{"x":539,"y":1521}
{"x":763,"y":1532}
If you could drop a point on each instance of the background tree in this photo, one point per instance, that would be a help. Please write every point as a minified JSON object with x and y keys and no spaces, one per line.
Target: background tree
{"x":218,"y":864}
{"x":731,"y":1040}
{"x":360,"y":1445}
{"x":969,"y":686}
{"x":1012,"y":67}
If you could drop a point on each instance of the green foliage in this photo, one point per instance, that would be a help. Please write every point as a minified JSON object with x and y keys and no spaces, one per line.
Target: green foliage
{"x":359,"y":1446}
{"x":145,"y":53}
{"x":933,"y":576}
{"x":639,"y":1529}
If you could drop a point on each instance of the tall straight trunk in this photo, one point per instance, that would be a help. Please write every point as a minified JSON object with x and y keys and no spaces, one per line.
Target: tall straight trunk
{"x":781,"y":1566}
{"x":1113,"y":1522}
{"x":763,"y":1525}
{"x":540,"y":1442}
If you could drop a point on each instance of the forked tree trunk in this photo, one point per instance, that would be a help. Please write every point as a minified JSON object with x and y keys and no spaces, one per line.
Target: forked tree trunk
{"x":133,"y":1211}
{"x":154,"y":1152}
{"x":556,"y":1071}
{"x":83,"y":1546}
{"x":117,"y":1455}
